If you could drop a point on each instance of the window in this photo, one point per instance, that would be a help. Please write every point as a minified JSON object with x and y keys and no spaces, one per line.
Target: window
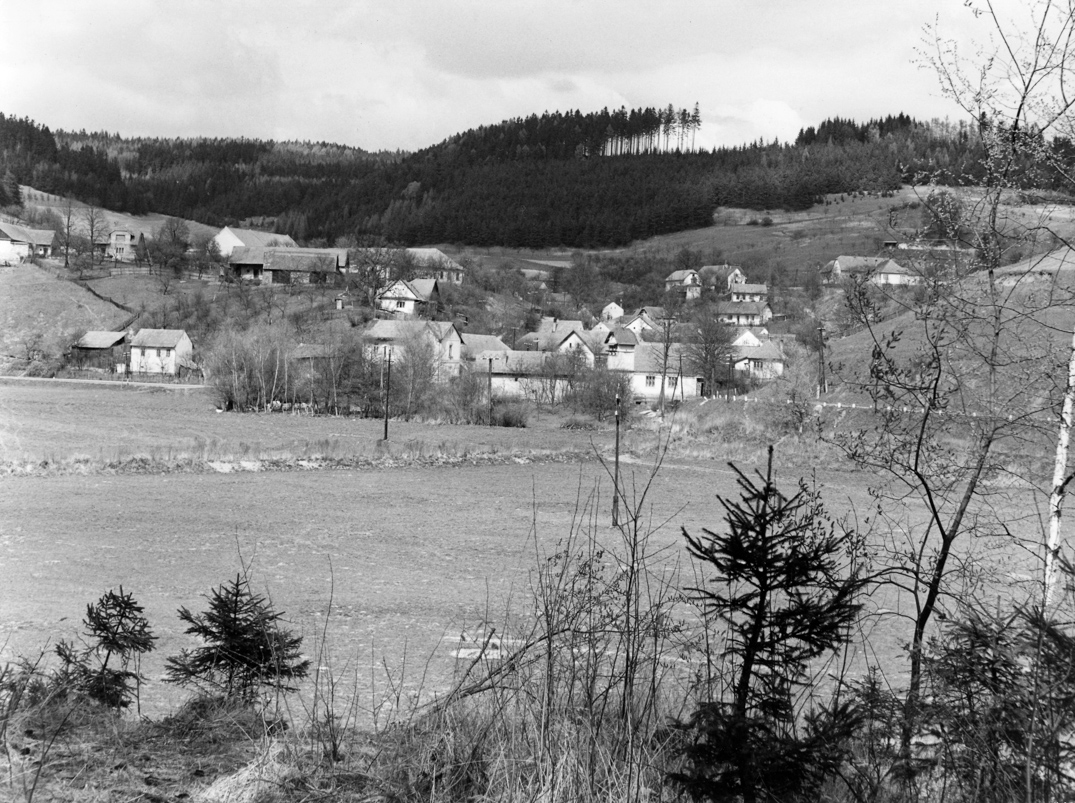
{"x":158,"y":353}
{"x":399,"y":305}
{"x":651,"y":381}
{"x":451,"y":351}
{"x":672,"y":382}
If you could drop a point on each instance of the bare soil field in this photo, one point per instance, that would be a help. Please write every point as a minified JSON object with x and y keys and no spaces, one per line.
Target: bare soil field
{"x":397,"y":558}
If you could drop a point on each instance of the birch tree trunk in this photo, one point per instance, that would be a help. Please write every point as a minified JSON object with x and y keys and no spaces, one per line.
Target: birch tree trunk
{"x":1056,"y":498}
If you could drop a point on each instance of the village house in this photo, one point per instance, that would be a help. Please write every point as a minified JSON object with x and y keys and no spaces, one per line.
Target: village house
{"x":229,"y":238}
{"x":686,"y":282}
{"x":650,"y":372}
{"x":743,"y":313}
{"x":719,"y":279}
{"x":612,"y":312}
{"x":394,"y":338}
{"x":161,"y":351}
{"x":20,"y":243}
{"x":645,"y":319}
{"x":744,"y":291}
{"x":121,"y":245}
{"x":757,"y":359}
{"x":416,"y":298}
{"x":564,"y":336}
{"x":875,"y":270}
{"x":101,"y":351}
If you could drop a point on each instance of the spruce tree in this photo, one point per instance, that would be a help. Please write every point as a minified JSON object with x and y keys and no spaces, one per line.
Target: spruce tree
{"x":784,"y":585}
{"x":245,"y":649}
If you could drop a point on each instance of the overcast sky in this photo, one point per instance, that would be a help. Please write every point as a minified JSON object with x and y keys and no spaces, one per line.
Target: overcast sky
{"x":407,"y":74}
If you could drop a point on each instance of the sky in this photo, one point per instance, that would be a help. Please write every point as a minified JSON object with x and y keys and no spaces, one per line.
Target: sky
{"x":402,"y":74}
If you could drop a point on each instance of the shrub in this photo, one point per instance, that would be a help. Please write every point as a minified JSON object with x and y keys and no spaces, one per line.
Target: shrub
{"x":510,"y":414}
{"x":245,"y":647}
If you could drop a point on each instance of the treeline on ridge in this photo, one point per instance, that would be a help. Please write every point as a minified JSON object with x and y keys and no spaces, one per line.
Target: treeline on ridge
{"x":556,"y":179}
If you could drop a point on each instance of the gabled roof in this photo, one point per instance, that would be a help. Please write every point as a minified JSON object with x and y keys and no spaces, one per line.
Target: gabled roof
{"x":741,"y":307}
{"x":304,"y":260}
{"x":434,"y":258}
{"x":100,"y":340}
{"x":717,"y":274}
{"x":764,"y":351}
{"x":476,"y":344}
{"x":649,"y":358}
{"x":751,"y":289}
{"x":252,"y":238}
{"x":522,"y":363}
{"x":158,"y":338}
{"x":311,"y":351}
{"x":23,"y":234}
{"x":680,"y":275}
{"x":425,"y":288}
{"x":622,"y":337}
{"x":394,"y":331}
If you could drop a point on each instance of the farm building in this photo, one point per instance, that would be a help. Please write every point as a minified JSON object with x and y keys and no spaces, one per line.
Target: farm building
{"x":721,"y":278}
{"x":474,"y":345}
{"x":102,"y":351}
{"x":536,"y":375}
{"x":288,"y":265}
{"x":420,"y":263}
{"x":228,"y":239}
{"x":744,"y":313}
{"x":19,"y":243}
{"x":759,"y":360}
{"x":161,"y":351}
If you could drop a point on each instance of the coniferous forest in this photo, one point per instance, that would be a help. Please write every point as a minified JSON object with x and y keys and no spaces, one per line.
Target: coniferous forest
{"x":556,"y":179}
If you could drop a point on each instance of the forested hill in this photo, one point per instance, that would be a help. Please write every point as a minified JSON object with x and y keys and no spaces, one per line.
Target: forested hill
{"x":555,"y":179}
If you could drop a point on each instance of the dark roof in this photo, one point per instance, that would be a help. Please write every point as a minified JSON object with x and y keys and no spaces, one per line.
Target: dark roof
{"x":158,"y":338}
{"x":741,"y":307}
{"x":306,"y":260}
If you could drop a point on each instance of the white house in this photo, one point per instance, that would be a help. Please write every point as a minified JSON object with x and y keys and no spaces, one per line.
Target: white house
{"x":744,"y":313}
{"x":540,"y":376}
{"x":409,"y":299}
{"x":875,"y":270}
{"x":650,"y":371}
{"x":392,"y":338}
{"x":612,"y":312}
{"x":760,"y":360}
{"x":160,"y":351}
{"x":228,"y":239}
{"x":744,"y":291}
{"x":721,"y":278}
{"x":121,"y":244}
{"x":687,"y":282}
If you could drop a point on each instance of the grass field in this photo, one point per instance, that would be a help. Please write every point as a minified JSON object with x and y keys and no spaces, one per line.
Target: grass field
{"x":33,"y":301}
{"x":409,"y":551}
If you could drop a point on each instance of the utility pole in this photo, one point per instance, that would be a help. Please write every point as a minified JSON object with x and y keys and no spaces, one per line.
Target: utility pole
{"x":731,"y":375}
{"x":822,"y":385}
{"x":616,"y":471}
{"x":387,"y":394}
{"x":490,"y":391}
